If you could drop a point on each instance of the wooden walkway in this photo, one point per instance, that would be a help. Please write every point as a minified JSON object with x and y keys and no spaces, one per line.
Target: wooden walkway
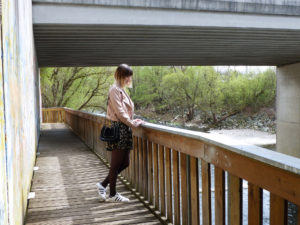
{"x":65,"y":190}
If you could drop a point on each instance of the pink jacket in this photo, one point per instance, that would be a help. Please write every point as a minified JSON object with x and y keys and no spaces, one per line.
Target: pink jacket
{"x":120,"y":107}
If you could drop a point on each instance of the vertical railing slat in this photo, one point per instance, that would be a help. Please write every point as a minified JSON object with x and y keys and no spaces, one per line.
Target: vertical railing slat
{"x":145,"y":169}
{"x":156,"y":175}
{"x":140,"y":162}
{"x":184,"y":185}
{"x":176,"y":186}
{"x":131,"y":166}
{"x":254,"y":204}
{"x":150,"y":172}
{"x":278,"y":210}
{"x":206,"y":192}
{"x":194,"y":176}
{"x":235,"y":193}
{"x":136,"y":164}
{"x":162,"y":180}
{"x":219,"y":196}
{"x":169,"y":184}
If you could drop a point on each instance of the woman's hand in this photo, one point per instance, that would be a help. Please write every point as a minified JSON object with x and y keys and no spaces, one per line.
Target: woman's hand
{"x":138,"y":122}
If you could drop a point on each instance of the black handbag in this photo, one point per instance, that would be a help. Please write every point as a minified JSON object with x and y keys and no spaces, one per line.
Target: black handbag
{"x":110,"y":133}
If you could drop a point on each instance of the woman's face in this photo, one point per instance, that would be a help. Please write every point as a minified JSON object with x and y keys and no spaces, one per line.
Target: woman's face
{"x":128,"y":82}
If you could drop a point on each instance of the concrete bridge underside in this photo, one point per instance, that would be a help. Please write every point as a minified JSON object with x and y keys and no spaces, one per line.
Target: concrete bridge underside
{"x":87,"y":33}
{"x":179,"y":32}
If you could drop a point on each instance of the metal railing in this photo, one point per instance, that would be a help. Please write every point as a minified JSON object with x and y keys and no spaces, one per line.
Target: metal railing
{"x":164,"y":169}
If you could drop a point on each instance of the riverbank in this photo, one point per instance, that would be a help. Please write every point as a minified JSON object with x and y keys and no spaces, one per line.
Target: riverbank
{"x":252,"y":128}
{"x":264,"y":120}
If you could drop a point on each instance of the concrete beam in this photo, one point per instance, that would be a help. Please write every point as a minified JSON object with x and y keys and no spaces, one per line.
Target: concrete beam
{"x":275,"y":7}
{"x":97,"y":15}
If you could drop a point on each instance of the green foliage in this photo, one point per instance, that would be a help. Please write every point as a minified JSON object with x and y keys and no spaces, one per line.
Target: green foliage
{"x":147,"y":88}
{"x":184,"y":90}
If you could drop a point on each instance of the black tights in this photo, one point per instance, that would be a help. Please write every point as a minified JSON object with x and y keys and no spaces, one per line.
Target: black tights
{"x":119,"y":162}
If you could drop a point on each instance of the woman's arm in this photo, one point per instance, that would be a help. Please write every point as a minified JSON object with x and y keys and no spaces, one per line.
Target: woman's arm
{"x":115,"y":97}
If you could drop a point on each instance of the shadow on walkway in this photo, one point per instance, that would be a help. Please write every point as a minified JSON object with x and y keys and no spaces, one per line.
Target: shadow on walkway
{"x":65,"y":190}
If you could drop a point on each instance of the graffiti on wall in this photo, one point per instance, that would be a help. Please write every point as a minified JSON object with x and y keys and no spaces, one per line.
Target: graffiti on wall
{"x":21,"y":107}
{"x":3,"y":184}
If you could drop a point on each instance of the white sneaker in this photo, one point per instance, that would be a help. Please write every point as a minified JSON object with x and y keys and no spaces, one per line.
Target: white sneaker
{"x":101,"y":191}
{"x":117,"y":198}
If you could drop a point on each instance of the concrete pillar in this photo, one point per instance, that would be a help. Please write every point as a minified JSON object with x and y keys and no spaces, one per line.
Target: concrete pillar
{"x":288,"y":109}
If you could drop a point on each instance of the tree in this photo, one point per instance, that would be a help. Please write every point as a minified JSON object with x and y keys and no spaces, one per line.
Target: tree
{"x":147,"y":86}
{"x":75,"y":87}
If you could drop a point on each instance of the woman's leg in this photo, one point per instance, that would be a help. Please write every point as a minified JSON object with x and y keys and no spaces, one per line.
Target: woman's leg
{"x":123,"y":165}
{"x":125,"y":162}
{"x":117,"y":158}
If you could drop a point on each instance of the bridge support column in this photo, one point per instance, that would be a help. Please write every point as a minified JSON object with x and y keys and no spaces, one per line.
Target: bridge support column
{"x":288,"y":109}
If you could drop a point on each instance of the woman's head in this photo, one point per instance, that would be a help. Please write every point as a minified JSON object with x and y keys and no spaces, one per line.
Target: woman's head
{"x":123,"y":75}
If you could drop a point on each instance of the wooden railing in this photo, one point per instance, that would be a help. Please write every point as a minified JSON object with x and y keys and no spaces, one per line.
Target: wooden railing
{"x":169,"y":164}
{"x":53,"y":115}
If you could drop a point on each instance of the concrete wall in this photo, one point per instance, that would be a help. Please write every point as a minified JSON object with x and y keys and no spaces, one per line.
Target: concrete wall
{"x":288,"y":109}
{"x":19,"y":110}
{"x":3,"y":180}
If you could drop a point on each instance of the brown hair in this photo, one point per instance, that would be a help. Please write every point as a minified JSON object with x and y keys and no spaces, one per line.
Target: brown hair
{"x":122,"y":72}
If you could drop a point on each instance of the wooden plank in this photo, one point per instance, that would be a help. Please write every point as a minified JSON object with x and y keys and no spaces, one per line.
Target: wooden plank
{"x":162,"y":180}
{"x":176,"y":187}
{"x":136,"y":164}
{"x":194,"y":176}
{"x":150,"y":171}
{"x":44,"y":116}
{"x":235,"y":194}
{"x":298,"y":216}
{"x":278,"y":210}
{"x":50,"y":117}
{"x":219,"y":196}
{"x":169,"y":185}
{"x":131,"y":165}
{"x":145,"y":169}
{"x":184,"y":185}
{"x":156,"y":175}
{"x":254,"y":204}
{"x":140,"y":162}
{"x":206,"y":192}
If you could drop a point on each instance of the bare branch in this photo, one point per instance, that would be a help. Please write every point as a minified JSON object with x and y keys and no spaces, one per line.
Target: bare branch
{"x":66,"y":100}
{"x":91,"y":96}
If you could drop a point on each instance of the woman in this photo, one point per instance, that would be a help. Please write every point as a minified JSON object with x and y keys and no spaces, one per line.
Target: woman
{"x":120,"y":110}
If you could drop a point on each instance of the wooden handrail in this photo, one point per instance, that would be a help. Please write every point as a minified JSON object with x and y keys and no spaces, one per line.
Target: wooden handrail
{"x":153,"y":173}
